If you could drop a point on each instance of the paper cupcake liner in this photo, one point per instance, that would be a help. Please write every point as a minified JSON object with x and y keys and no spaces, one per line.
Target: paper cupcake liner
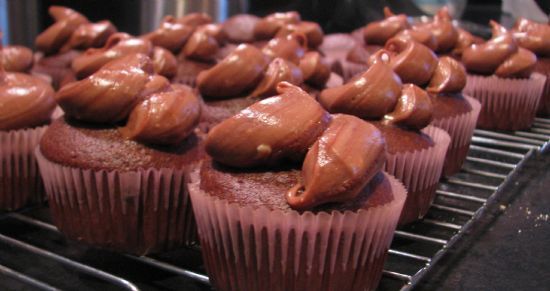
{"x":506,"y":104}
{"x":461,"y":129}
{"x":20,"y":182}
{"x":248,"y":248}
{"x":137,"y":212}
{"x":543,"y":68}
{"x":420,"y":172}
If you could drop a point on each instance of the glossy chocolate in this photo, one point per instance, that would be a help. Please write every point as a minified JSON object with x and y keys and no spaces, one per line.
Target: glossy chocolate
{"x":164,"y":62}
{"x":267,"y":27}
{"x":377,"y":33}
{"x":195,"y":19}
{"x":315,"y":69}
{"x":414,"y":108}
{"x":290,"y":47}
{"x":520,"y":65}
{"x":533,"y":36}
{"x":203,"y":45}
{"x":449,"y":77}
{"x":279,"y":70}
{"x":412,"y":61}
{"x":240,"y":28}
{"x":55,"y":36}
{"x":89,"y":35}
{"x":443,"y":30}
{"x":170,"y":35}
{"x":422,"y":34}
{"x":311,"y":30}
{"x":15,"y":58}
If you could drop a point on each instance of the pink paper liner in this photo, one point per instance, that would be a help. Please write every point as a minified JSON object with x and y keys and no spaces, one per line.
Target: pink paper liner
{"x":138,"y":212}
{"x":248,"y":248}
{"x":461,"y":129}
{"x":506,"y":104}
{"x":543,"y":67}
{"x":420,"y":172}
{"x":20,"y":182}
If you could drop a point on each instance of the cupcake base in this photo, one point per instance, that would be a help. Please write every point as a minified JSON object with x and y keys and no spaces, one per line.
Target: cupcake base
{"x":543,"y":67}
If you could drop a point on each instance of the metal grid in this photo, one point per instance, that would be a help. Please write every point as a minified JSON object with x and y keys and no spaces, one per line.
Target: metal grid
{"x":492,"y":162}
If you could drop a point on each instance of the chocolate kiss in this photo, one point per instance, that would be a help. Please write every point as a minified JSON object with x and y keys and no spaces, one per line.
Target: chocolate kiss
{"x":339,"y":164}
{"x":274,"y":129}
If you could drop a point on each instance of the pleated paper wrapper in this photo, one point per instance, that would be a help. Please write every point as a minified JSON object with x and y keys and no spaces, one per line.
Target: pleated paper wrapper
{"x":506,"y":104}
{"x":461,"y":129}
{"x":254,"y":248}
{"x":20,"y":182}
{"x":420,"y":172}
{"x":543,"y":67}
{"x":138,"y":212}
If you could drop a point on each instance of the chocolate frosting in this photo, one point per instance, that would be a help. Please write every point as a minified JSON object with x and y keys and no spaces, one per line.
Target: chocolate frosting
{"x":89,"y":35}
{"x":291,"y":47}
{"x":311,"y":30}
{"x":203,"y":45}
{"x":170,"y":35}
{"x":195,"y":19}
{"x":533,"y":36}
{"x":55,"y":36}
{"x":412,"y":61}
{"x":315,"y":69}
{"x":279,"y":70}
{"x":443,"y":30}
{"x":270,"y":131}
{"x":25,"y":101}
{"x":449,"y":77}
{"x":267,"y":27}
{"x":380,"y":31}
{"x":167,"y":117}
{"x":414,"y":108}
{"x":465,"y":39}
{"x":339,"y":164}
{"x":164,"y":62}
{"x":501,"y":54}
{"x":369,"y":96}
{"x":358,"y":54}
{"x":240,"y":28}
{"x":237,"y":73}
{"x":16,"y":58}
{"x":421,"y":34}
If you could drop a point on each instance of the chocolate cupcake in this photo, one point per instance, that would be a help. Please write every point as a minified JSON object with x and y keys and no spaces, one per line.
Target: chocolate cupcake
{"x":114,"y":166}
{"x":501,"y":77}
{"x":536,"y":38}
{"x":416,"y":152}
{"x":26,"y":107}
{"x":60,"y":43}
{"x":266,"y":225}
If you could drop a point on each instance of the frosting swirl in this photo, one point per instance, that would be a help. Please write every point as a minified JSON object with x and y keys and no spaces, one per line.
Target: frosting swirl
{"x":311,"y":30}
{"x":204,"y":43}
{"x":358,"y":54}
{"x":414,"y":108}
{"x":89,"y":35}
{"x":240,"y":28}
{"x":291,"y":47}
{"x":369,"y":96}
{"x":272,"y":130}
{"x":421,"y":34}
{"x":464,"y":40}
{"x":195,"y":19}
{"x":380,"y":31}
{"x":533,"y":36}
{"x":268,"y":26}
{"x":278,"y":70}
{"x":55,"y":36}
{"x":449,"y":77}
{"x":443,"y":30}
{"x":412,"y":61}
{"x":240,"y":71}
{"x":14,"y":58}
{"x":164,"y":62}
{"x":170,"y":35}
{"x":315,"y":69}
{"x":25,"y":101}
{"x":339,"y":164}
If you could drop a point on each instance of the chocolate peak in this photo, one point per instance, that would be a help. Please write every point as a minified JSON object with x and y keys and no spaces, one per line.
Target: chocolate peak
{"x":311,"y":30}
{"x":170,"y":35}
{"x":412,"y":61}
{"x":90,"y":35}
{"x":315,"y":69}
{"x":202,"y":45}
{"x":55,"y":36}
{"x":291,"y":47}
{"x":533,"y":36}
{"x":414,"y":108}
{"x":195,"y":19}
{"x":14,"y":58}
{"x":279,"y":70}
{"x":268,"y":26}
{"x":379,"y":32}
{"x":443,"y":30}
{"x":449,"y":77}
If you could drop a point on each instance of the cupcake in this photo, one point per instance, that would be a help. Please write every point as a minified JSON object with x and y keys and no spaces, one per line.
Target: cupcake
{"x":501,"y":77}
{"x":26,"y":107}
{"x":265,"y":225}
{"x":415,"y":151}
{"x":375,"y":34}
{"x":16,"y":58}
{"x":240,"y":28}
{"x":60,"y":43}
{"x":114,"y":166}
{"x":536,"y":38}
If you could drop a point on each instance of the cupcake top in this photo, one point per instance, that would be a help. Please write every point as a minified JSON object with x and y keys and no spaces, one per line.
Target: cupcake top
{"x":240,"y":28}
{"x":445,"y":34}
{"x":283,"y":128}
{"x":533,"y":36}
{"x":72,"y":30}
{"x":378,"y":32}
{"x":279,"y":25}
{"x":500,"y":56}
{"x":15,"y":58}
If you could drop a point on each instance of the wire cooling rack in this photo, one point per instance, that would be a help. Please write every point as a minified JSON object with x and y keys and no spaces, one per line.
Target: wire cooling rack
{"x":34,"y":255}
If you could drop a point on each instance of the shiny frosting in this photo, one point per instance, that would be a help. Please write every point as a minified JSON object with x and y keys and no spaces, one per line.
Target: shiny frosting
{"x":55,"y":36}
{"x":204,"y":43}
{"x":379,"y":32}
{"x":270,"y":131}
{"x":421,"y":34}
{"x":358,"y":54}
{"x":464,"y":40}
{"x":311,"y":30}
{"x":290,"y":47}
{"x":90,"y":35}
{"x":449,"y":76}
{"x":237,"y":73}
{"x":315,"y":69}
{"x":414,"y":108}
{"x":170,"y":35}
{"x":500,"y":56}
{"x":164,"y":62}
{"x":411,"y":60}
{"x":267,"y":27}
{"x":195,"y":19}
{"x":339,"y":164}
{"x":369,"y":96}
{"x":443,"y":30}
{"x":279,"y":70}
{"x":25,"y":101}
{"x":16,"y":58}
{"x":533,"y":36}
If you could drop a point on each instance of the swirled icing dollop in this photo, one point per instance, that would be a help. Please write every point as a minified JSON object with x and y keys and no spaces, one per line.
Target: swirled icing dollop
{"x":358,"y":54}
{"x":14,"y":58}
{"x":414,"y":108}
{"x":267,"y":27}
{"x":449,"y":76}
{"x":421,"y":34}
{"x":195,"y":19}
{"x":204,"y":43}
{"x":499,"y":55}
{"x":311,"y":30}
{"x":412,"y":61}
{"x":240,"y":28}
{"x":90,"y":35}
{"x":279,"y":70}
{"x":270,"y":131}
{"x":369,"y":96}
{"x":55,"y":36}
{"x":443,"y":30}
{"x":380,"y":31}
{"x":164,"y":62}
{"x":464,"y":40}
{"x":291,"y":47}
{"x":315,"y":69}
{"x":237,"y":73}
{"x":533,"y":36}
{"x":170,"y":35}
{"x":339,"y":164}
{"x":25,"y":101}
{"x":166,"y":117}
